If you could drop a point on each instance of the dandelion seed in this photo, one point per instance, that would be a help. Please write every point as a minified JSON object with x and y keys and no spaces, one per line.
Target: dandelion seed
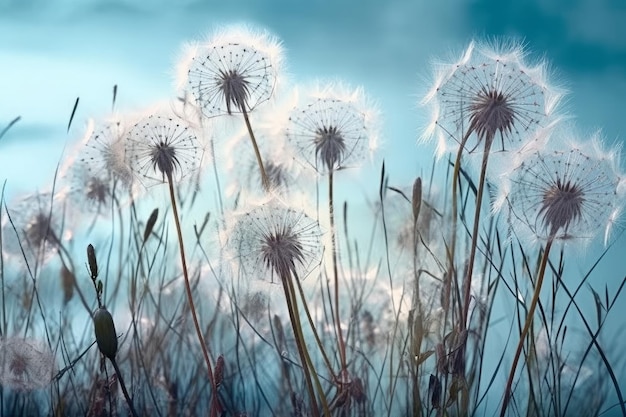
{"x":330,"y":133}
{"x":569,"y":193}
{"x":273,"y":239}
{"x":159,"y":148}
{"x":490,"y":95}
{"x":234,"y":72}
{"x":25,"y":364}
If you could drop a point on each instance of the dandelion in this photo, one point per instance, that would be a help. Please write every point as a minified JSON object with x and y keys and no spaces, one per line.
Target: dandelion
{"x":490,"y":95}
{"x":559,"y":195}
{"x":282,"y":172}
{"x":25,"y":364}
{"x":234,"y":72}
{"x":97,"y":168}
{"x":37,"y":222}
{"x":332,"y":131}
{"x":279,"y":241}
{"x":101,"y":157}
{"x":162,"y":149}
{"x":564,"y":194}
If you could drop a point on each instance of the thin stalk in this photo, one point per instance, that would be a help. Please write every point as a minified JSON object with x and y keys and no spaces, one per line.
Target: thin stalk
{"x":257,"y":153}
{"x":470,"y":266}
{"x":331,"y":213}
{"x":120,"y":378}
{"x":529,"y":319}
{"x":297,"y":330}
{"x":317,"y":338}
{"x":312,"y":370}
{"x":205,"y":351}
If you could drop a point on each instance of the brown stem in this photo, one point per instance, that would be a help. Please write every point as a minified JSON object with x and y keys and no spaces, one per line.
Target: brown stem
{"x":205,"y":352}
{"x":331,"y":212}
{"x":467,"y":282}
{"x":257,"y":153}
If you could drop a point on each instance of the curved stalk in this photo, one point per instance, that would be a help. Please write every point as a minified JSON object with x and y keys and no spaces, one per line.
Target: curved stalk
{"x":215,"y":408}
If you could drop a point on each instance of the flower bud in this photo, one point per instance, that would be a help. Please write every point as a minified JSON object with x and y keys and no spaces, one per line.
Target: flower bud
{"x":105,"y":332}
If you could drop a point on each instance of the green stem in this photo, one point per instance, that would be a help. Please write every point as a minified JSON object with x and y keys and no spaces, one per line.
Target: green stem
{"x":529,"y":319}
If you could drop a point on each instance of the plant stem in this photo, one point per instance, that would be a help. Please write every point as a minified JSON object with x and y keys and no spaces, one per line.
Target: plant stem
{"x":120,"y":378}
{"x":529,"y":319}
{"x":192,"y":308}
{"x":331,"y":213}
{"x":467,"y":282}
{"x":297,"y":330}
{"x":264,"y":178}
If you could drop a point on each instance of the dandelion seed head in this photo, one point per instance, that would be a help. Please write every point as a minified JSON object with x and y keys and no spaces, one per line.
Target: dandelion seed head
{"x":25,"y":364}
{"x":492,"y":95}
{"x":161,"y":147}
{"x":330,"y":133}
{"x":37,"y":220}
{"x":101,"y":152}
{"x":568,"y":193}
{"x":275,"y":241}
{"x":233,"y":72}
{"x":283,"y":174}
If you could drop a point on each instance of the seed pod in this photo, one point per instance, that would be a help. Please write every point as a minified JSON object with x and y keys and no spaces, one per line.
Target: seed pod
{"x":93,"y":264}
{"x":105,"y":332}
{"x":150,"y":224}
{"x":219,"y":371}
{"x":416,"y":202}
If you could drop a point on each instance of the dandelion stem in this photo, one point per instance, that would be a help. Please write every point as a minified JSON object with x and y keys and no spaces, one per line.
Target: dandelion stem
{"x":529,"y":318}
{"x":297,"y":330}
{"x":257,"y":153}
{"x":317,"y":338}
{"x":331,"y":213}
{"x":205,"y":352}
{"x":470,"y":267}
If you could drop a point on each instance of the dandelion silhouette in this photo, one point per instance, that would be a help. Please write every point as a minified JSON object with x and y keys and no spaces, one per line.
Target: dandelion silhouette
{"x":285,"y":243}
{"x":278,"y":240}
{"x":37,"y":226}
{"x":234,"y":73}
{"x":563,"y":194}
{"x":102,"y":157}
{"x":282,"y":172}
{"x":25,"y":364}
{"x":159,"y":148}
{"x":489,"y":96}
{"x":560,"y":195}
{"x":329,"y":134}
{"x":491,"y":93}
